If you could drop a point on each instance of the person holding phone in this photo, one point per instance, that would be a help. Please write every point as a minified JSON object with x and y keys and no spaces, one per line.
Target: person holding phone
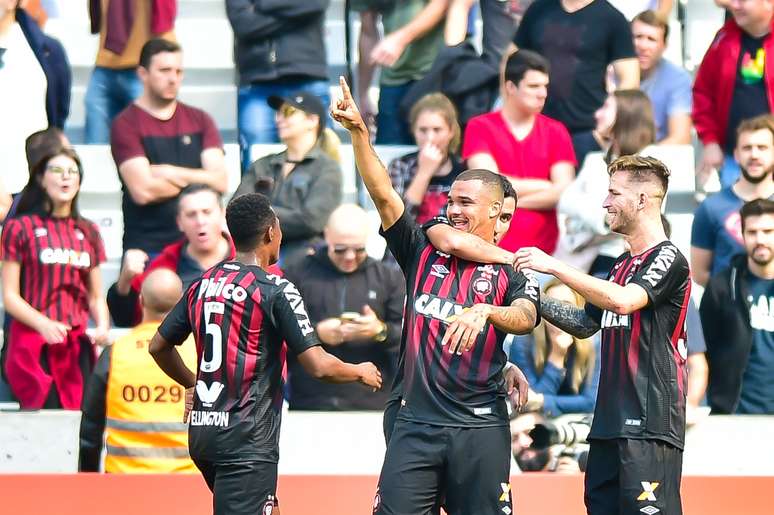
{"x":355,"y":303}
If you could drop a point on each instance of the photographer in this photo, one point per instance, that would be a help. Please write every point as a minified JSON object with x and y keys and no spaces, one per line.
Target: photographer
{"x":550,"y":445}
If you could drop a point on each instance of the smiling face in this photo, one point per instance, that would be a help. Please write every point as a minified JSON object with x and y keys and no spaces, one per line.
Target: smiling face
{"x":473,"y":208}
{"x":200,"y":218}
{"x":60,"y":180}
{"x":621,"y":203}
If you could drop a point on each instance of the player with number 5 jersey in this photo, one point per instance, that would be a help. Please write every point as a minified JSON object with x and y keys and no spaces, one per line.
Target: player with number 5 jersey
{"x":239,"y":316}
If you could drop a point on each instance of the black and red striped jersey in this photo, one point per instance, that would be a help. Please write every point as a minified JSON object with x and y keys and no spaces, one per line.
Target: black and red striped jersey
{"x":239,"y":316}
{"x":56,"y":256}
{"x":437,"y":387}
{"x":642,"y":383}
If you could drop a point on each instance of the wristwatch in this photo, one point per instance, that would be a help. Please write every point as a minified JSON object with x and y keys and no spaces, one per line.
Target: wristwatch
{"x":382,"y":334}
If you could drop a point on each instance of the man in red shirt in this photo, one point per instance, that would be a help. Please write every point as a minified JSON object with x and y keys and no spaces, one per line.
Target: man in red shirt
{"x":535,"y":152}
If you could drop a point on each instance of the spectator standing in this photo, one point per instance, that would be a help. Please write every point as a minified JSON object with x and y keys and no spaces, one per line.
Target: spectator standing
{"x":203,"y":245}
{"x":716,"y":232}
{"x":356,"y":306}
{"x":562,"y":370}
{"x":733,"y":83}
{"x":423,"y":178}
{"x":160,"y":146}
{"x":51,"y":284}
{"x":631,"y":8}
{"x":124,"y":26}
{"x":35,"y":81}
{"x":413,"y":35}
{"x":667,"y":85}
{"x":534,"y":151}
{"x":136,"y":405}
{"x":738,"y":321}
{"x":303,"y":182}
{"x":580,"y":38}
{"x":278,"y":49}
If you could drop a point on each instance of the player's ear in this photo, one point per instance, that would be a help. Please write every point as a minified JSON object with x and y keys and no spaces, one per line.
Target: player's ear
{"x":495,"y":208}
{"x":269,"y":236}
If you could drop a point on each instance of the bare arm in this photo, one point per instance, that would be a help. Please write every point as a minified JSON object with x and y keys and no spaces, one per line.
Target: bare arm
{"x":562,"y":174}
{"x":366,"y":42}
{"x":168,"y":359}
{"x":679,"y":131}
{"x":701,"y":264}
{"x":698,"y":372}
{"x":144,"y":187}
{"x":518,"y":318}
{"x":483,"y":160}
{"x":461,"y":334}
{"x":467,"y":246}
{"x":456,"y":27}
{"x":98,"y":306}
{"x":213,"y":172}
{"x":325,"y":367}
{"x":665,"y":8}
{"x":568,"y":318}
{"x":627,"y":73}
{"x":389,"y":50}
{"x":375,"y":177}
{"x":21,"y":310}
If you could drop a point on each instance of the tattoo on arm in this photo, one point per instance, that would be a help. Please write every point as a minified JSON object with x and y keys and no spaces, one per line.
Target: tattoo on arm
{"x":518,"y":318}
{"x":568,"y":318}
{"x":376,"y":156}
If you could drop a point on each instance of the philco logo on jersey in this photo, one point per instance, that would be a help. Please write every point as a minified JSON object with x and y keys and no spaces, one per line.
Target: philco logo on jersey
{"x":293,"y":297}
{"x":436,"y":307}
{"x":218,"y":288}
{"x":666,"y":256}
{"x":610,"y":319}
{"x":49,"y":256}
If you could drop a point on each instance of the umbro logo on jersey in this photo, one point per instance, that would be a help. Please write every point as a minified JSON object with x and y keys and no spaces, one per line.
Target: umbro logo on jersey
{"x":649,"y":510}
{"x":439,"y":271}
{"x":40,"y":232}
{"x":436,"y":307}
{"x":648,"y":490}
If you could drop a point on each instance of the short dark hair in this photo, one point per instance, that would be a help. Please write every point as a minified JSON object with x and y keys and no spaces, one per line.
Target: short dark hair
{"x":508,"y":190}
{"x":198,"y":187}
{"x":642,"y":169}
{"x":757,"y":207}
{"x":488,"y":179}
{"x":762,"y":122}
{"x":156,"y":46}
{"x":522,"y":61}
{"x":34,"y":199}
{"x":653,"y":19}
{"x":248,"y":217}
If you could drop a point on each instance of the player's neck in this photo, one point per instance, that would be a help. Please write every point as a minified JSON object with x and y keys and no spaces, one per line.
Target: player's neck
{"x":647,"y":235}
{"x":260,"y":258}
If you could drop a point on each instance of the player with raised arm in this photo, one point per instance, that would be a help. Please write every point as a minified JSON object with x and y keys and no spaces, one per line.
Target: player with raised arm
{"x":240,"y":316}
{"x":451,"y":433}
{"x":638,"y":433}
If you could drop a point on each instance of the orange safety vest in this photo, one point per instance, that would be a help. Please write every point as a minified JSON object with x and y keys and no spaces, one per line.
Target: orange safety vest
{"x":144,"y":409}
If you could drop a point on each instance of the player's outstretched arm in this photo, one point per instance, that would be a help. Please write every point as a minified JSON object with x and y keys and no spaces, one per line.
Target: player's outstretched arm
{"x":325,"y":367}
{"x":371,"y":169}
{"x":467,"y":246}
{"x":607,"y":295}
{"x":168,"y":359}
{"x":570,"y":319}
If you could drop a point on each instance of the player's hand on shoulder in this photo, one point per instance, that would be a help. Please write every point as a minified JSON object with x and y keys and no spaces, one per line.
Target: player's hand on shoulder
{"x":463,"y":329}
{"x":370,"y":375}
{"x":532,"y":258}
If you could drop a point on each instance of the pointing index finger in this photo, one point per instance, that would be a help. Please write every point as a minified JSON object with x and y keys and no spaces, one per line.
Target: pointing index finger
{"x":345,"y":88}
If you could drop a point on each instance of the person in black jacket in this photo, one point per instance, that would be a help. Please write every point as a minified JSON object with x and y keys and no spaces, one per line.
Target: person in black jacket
{"x":737,"y":314}
{"x":356,"y":305}
{"x":278,"y":49}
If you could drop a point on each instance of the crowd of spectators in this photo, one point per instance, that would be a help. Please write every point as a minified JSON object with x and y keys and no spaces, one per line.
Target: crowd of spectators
{"x":558,"y":90}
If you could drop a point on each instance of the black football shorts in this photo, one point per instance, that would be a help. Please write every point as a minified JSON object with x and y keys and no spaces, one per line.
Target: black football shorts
{"x":246,"y":488}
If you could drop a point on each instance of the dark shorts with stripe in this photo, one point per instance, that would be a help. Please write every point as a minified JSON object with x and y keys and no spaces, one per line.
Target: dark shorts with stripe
{"x":247,"y":488}
{"x":467,"y":466}
{"x":633,"y":477}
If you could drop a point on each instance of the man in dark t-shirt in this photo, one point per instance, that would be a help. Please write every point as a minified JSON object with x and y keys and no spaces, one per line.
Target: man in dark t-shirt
{"x":451,"y":435}
{"x":239,"y":316}
{"x":638,"y":432}
{"x":580,"y":38}
{"x":160,"y":146}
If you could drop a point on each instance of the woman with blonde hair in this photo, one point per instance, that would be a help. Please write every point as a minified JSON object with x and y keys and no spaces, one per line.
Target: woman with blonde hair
{"x":423,"y":178}
{"x":303,"y":181}
{"x":562,"y":370}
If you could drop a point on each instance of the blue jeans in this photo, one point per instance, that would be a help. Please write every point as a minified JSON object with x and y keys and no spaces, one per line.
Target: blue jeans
{"x":730,"y":171}
{"x":109,"y":93}
{"x":391,"y":129}
{"x":255,"y":119}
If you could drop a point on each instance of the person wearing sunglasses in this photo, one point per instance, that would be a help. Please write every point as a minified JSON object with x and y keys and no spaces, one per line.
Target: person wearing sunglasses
{"x":51,"y":286}
{"x":356,"y":305}
{"x":303,"y":181}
